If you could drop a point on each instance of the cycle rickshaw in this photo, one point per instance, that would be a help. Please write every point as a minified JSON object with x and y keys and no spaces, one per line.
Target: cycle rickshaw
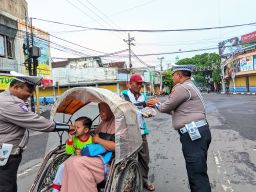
{"x":125,"y":174}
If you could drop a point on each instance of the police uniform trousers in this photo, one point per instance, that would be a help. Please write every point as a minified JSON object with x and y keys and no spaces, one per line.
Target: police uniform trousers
{"x":8,"y":174}
{"x":195,"y":154}
{"x":143,"y":158}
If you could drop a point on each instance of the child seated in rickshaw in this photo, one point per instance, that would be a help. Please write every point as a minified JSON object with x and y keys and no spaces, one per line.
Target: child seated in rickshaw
{"x":78,"y":138}
{"x":83,"y":173}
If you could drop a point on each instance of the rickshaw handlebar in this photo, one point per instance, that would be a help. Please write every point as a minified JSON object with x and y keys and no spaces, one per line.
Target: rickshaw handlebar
{"x":61,"y":126}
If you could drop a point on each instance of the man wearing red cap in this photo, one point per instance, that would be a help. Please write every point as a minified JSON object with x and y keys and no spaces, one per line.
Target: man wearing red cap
{"x":134,"y":96}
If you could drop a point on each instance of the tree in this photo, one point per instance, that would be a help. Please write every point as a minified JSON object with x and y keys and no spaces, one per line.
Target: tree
{"x":167,"y":78}
{"x":207,"y":69}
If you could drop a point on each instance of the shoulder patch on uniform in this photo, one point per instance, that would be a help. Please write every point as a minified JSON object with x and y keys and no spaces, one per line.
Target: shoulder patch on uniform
{"x":23,"y":107}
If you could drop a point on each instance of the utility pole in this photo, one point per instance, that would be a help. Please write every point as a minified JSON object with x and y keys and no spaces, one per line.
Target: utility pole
{"x":129,"y":41}
{"x":27,"y":48}
{"x":161,"y":77}
{"x":33,"y":54}
{"x":161,"y":62}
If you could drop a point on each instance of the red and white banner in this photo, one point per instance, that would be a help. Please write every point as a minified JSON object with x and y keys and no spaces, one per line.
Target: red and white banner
{"x":248,"y":37}
{"x":46,"y":82}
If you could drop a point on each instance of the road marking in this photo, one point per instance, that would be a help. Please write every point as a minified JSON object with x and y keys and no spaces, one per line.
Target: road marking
{"x":225,"y":182}
{"x":28,"y":170}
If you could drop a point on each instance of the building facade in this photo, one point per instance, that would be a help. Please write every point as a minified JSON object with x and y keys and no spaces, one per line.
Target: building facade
{"x":239,"y":63}
{"x":84,"y":72}
{"x":10,"y":12}
{"x":14,"y":32}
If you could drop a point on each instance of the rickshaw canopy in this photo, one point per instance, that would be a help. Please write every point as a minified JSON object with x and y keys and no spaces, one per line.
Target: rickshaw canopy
{"x":127,"y":132}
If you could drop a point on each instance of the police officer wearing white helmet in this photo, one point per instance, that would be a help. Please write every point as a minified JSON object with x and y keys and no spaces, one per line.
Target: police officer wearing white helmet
{"x":186,"y":105}
{"x":15,"y":120}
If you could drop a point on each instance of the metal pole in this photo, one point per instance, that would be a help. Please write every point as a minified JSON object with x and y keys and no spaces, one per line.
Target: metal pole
{"x":129,"y":42}
{"x":161,"y":77}
{"x":29,"y":57}
{"x":129,"y":46}
{"x":32,"y":103}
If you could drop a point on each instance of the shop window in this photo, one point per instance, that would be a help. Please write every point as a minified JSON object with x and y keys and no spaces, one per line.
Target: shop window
{"x":10,"y":47}
{"x":2,"y":47}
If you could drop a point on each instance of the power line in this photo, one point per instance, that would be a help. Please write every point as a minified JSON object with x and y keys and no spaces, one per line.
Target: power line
{"x":84,"y":5}
{"x":82,"y":11}
{"x":77,"y":44}
{"x":140,"y":55}
{"x":148,"y":30}
{"x":142,"y":62}
{"x":134,"y":7}
{"x":104,"y":53}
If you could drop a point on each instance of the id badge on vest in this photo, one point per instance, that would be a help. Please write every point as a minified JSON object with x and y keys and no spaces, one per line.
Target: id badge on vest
{"x":193,"y":131}
{"x":5,"y":151}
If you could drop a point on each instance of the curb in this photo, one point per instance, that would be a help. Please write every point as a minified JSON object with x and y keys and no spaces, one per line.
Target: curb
{"x":240,"y":93}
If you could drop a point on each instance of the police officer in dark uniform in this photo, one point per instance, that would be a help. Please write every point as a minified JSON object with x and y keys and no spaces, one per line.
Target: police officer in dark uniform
{"x":186,"y":105}
{"x":15,"y":119}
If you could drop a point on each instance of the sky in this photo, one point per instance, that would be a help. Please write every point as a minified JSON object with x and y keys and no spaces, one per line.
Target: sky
{"x":143,"y":15}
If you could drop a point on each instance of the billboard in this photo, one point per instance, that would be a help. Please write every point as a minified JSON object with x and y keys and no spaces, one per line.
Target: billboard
{"x":237,"y":44}
{"x":246,"y":63}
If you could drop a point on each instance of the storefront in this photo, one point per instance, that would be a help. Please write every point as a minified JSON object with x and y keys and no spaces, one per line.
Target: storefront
{"x":239,"y":63}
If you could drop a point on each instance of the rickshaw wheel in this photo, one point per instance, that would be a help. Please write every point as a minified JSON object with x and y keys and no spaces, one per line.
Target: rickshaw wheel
{"x":131,"y":178}
{"x":50,"y":172}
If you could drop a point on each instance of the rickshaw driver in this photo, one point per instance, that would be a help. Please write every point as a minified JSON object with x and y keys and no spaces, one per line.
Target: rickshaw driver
{"x":139,"y":99}
{"x":15,"y":119}
{"x":82,"y":173}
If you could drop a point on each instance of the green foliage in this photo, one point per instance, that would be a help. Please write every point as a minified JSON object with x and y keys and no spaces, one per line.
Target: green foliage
{"x":216,"y":75}
{"x":204,"y":60}
{"x":199,"y":79}
{"x":185,"y":61}
{"x":167,"y":78}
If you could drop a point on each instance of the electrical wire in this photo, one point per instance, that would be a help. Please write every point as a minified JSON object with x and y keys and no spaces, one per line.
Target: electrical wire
{"x":104,"y":54}
{"x":148,"y":30}
{"x":92,"y":11}
{"x":134,"y":7}
{"x":82,"y":11}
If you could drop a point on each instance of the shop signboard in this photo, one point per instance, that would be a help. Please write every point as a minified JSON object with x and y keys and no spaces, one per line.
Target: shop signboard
{"x":248,"y":37}
{"x":237,"y":44}
{"x":246,"y":63}
{"x":5,"y":82}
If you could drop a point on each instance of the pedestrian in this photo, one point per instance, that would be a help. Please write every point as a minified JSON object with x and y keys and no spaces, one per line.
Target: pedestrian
{"x":139,"y":99}
{"x":186,"y":105}
{"x":45,"y":101}
{"x":15,"y":120}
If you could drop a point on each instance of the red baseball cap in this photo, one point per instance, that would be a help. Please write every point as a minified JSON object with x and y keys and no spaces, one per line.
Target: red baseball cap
{"x":136,"y":78}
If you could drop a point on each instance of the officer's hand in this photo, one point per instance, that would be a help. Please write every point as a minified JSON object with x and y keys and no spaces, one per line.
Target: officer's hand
{"x":152,"y":102}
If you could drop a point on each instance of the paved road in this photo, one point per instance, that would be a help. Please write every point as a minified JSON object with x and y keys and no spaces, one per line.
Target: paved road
{"x":231,"y":159}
